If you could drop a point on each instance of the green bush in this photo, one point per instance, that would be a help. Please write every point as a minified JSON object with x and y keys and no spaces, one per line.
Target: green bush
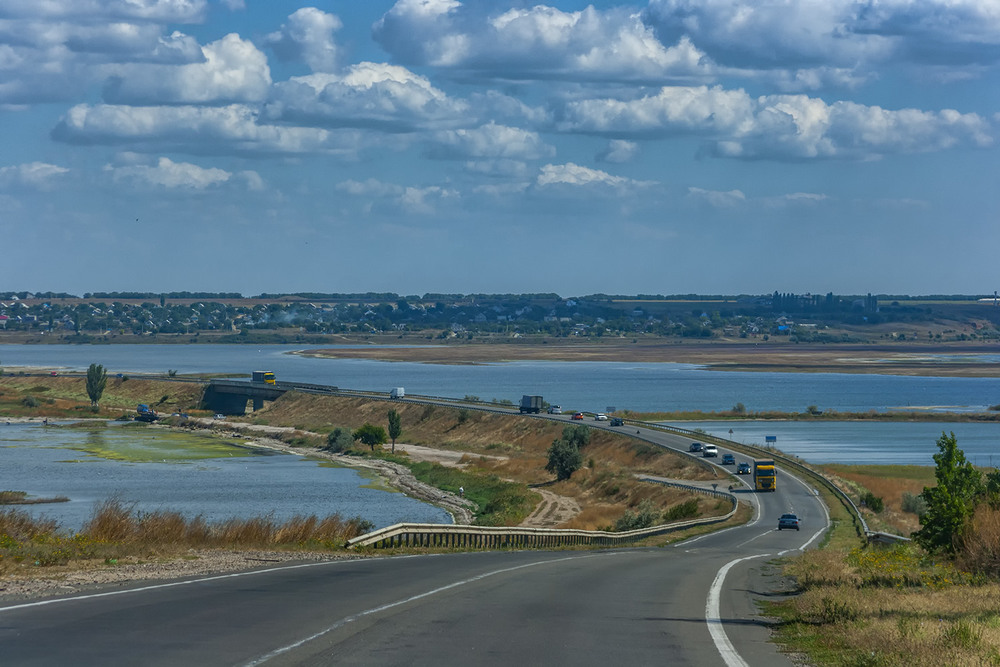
{"x":872,"y":502}
{"x":913,"y":503}
{"x":339,"y":440}
{"x":644,"y":516}
{"x":685,"y":510}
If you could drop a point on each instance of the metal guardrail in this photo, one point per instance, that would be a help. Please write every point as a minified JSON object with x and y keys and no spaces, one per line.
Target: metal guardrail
{"x":489,"y":537}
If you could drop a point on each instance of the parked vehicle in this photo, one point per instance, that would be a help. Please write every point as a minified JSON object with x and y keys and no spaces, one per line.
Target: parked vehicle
{"x":764,"y":475}
{"x":555,"y":410}
{"x":397,"y":392}
{"x":578,"y":415}
{"x":267,"y":377}
{"x":728,"y":459}
{"x":743,"y":468}
{"x":144,"y":413}
{"x":600,"y":417}
{"x":531,"y":404}
{"x":696,"y":447}
{"x":710,"y":450}
{"x":617,"y":421}
{"x":788,"y":521}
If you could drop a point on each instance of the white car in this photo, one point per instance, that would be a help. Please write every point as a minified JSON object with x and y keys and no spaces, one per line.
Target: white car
{"x":555,"y":410}
{"x":600,"y":417}
{"x":710,"y":450}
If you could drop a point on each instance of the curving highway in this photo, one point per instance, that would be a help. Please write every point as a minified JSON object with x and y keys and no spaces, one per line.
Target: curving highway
{"x":692,"y":603}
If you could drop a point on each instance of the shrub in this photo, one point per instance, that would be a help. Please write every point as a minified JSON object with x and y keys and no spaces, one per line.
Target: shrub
{"x":644,"y":516}
{"x":913,"y":503}
{"x":339,"y":440}
{"x":685,"y":510}
{"x":29,"y":402}
{"x":872,"y":502}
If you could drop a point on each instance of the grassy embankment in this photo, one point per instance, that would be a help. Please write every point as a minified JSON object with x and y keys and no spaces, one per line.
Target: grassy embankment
{"x":505,"y":453}
{"x":503,"y":458}
{"x":885,"y":606}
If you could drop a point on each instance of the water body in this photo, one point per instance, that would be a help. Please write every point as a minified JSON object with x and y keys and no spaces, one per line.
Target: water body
{"x":894,"y":443}
{"x":589,"y":386}
{"x":209,"y":479}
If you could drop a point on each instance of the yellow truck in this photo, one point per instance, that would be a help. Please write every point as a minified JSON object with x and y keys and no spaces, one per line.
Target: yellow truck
{"x":765,"y":475}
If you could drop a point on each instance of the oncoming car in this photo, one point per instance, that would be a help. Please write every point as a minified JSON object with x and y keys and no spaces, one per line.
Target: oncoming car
{"x":743,"y":468}
{"x":578,"y":415}
{"x":788,"y":521}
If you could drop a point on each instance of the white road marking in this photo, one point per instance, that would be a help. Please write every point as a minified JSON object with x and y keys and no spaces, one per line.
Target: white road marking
{"x":713,"y":616}
{"x":374,"y":610}
{"x":171,"y":584}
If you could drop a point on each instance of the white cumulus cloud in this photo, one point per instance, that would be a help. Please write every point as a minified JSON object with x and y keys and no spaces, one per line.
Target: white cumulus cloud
{"x":38,"y":175}
{"x":233,"y":70}
{"x":308,"y":36}
{"x":171,"y":175}
{"x":778,"y":126}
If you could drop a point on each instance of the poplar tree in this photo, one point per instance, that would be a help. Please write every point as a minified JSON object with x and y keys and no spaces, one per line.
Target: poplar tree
{"x":97,"y":378}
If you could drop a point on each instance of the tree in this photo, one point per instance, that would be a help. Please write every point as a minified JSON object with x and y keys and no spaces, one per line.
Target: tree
{"x":578,"y":435}
{"x":564,"y":459}
{"x":951,"y":503}
{"x":97,"y":379}
{"x":395,"y":427}
{"x":370,"y":435}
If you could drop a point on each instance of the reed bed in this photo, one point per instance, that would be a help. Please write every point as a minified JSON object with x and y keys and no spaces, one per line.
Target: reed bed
{"x":116,"y":530}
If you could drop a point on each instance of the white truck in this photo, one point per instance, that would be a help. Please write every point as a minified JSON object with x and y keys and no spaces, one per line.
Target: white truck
{"x":397,"y":392}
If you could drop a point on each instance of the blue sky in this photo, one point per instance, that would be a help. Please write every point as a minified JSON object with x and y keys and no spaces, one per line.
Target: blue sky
{"x":665,"y":146}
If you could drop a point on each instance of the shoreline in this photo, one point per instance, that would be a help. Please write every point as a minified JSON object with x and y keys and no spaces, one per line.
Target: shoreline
{"x":902,"y":359}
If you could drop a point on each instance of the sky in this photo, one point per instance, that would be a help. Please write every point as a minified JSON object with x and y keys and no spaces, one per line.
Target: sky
{"x":500,"y":146}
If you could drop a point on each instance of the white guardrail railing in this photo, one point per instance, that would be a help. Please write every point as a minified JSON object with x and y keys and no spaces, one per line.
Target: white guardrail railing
{"x":514,"y":537}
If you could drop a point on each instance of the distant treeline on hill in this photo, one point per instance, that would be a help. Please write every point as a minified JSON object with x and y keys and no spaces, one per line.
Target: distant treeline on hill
{"x":777,"y":296}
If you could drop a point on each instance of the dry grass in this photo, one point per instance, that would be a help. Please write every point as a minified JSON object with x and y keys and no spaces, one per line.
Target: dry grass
{"x":116,"y":530}
{"x":889,"y":607}
{"x":604,"y":488}
{"x":889,"y":483}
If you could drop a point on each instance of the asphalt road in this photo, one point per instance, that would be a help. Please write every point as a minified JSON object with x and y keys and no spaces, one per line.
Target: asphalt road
{"x":688,"y":604}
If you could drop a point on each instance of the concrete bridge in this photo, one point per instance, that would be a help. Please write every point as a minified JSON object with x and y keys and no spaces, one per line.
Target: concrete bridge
{"x":230,"y":397}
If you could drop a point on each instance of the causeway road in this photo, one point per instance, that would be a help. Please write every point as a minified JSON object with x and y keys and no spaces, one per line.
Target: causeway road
{"x":691,"y":603}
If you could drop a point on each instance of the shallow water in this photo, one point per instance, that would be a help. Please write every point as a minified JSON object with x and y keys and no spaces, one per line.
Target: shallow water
{"x":188,"y":474}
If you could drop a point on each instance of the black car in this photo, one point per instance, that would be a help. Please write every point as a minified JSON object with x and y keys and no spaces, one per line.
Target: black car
{"x":743,"y":468}
{"x":696,"y":447}
{"x":728,"y":459}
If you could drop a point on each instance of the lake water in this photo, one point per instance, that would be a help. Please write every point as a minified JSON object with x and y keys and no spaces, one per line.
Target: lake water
{"x":865,"y":442}
{"x":215,"y":481}
{"x":588,"y":386}
{"x":290,"y":485}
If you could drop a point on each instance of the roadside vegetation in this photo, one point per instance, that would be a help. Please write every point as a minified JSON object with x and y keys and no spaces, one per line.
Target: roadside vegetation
{"x":116,"y":533}
{"x":931,"y":601}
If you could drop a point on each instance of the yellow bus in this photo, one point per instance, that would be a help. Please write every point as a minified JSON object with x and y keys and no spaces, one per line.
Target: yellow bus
{"x":267,"y":377}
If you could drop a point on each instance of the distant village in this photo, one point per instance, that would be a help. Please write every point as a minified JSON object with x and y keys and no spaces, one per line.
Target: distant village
{"x":225,"y":317}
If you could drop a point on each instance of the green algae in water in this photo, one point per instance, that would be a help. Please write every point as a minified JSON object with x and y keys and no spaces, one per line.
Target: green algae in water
{"x":152,"y":445}
{"x":374,"y":480}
